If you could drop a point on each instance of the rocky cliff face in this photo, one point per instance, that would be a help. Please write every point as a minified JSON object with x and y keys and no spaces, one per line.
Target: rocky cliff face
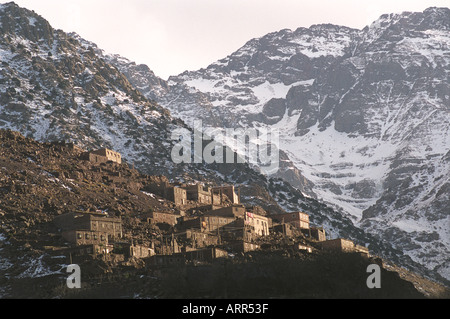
{"x":364,"y":117}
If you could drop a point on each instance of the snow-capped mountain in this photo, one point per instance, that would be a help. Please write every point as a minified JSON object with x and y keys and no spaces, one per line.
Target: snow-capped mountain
{"x":57,"y":86}
{"x":53,"y":88}
{"x":364,"y":117}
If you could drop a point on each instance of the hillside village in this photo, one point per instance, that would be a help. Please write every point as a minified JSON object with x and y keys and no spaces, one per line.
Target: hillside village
{"x":61,"y":205}
{"x":206,"y":223}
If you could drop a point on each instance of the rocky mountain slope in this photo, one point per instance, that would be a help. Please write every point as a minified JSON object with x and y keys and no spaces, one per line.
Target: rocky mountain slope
{"x":39,"y":181}
{"x":55,"y":86}
{"x":364,"y":117}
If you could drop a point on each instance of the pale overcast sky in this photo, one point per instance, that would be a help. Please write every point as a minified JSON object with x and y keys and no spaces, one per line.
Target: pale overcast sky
{"x":172,"y":36}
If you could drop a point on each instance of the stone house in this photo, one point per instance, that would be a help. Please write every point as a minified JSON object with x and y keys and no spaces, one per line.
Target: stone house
{"x":361,"y":249}
{"x":236,"y":211}
{"x":258,"y":224}
{"x":317,"y":233}
{"x":133,"y":250}
{"x":109,"y":154}
{"x":162,"y":218}
{"x":243,"y":246}
{"x":79,"y":253}
{"x":285,"y":229}
{"x":256,"y":210}
{"x":93,"y":158}
{"x":339,"y":244}
{"x":176,"y":194}
{"x":231,"y":222}
{"x":228,"y":191}
{"x":207,"y":223}
{"x":181,"y":193}
{"x":199,"y":255}
{"x":343,"y":245}
{"x":297,"y":219}
{"x":201,"y":194}
{"x":85,"y":237}
{"x":168,"y":246}
{"x":93,"y":222}
{"x":205,"y":254}
{"x":102,"y":156}
{"x":199,"y":239}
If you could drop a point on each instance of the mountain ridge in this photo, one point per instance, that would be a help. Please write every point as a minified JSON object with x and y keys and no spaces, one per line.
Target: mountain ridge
{"x":51,"y":174}
{"x":356,"y":88}
{"x":96,"y":105}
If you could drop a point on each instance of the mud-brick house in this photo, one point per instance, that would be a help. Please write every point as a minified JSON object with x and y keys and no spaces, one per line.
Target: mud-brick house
{"x":201,"y":194}
{"x":79,"y":253}
{"x":176,"y":194}
{"x":199,"y":255}
{"x":172,"y":192}
{"x":229,"y":191}
{"x":317,"y":233}
{"x":85,"y":237}
{"x":133,"y":250}
{"x":361,"y":249}
{"x":109,"y":154}
{"x":102,"y":156}
{"x":343,"y":245}
{"x":285,"y":229}
{"x":205,"y":254}
{"x":257,"y":223}
{"x":236,"y":211}
{"x":199,"y":239}
{"x":213,"y":219}
{"x":237,"y":216}
{"x":162,"y":218}
{"x":243,"y":246}
{"x":339,"y":244}
{"x":297,"y":219}
{"x":140,"y":251}
{"x":94,"y":222}
{"x":209,"y":223}
{"x":212,"y":223}
{"x":256,"y":210}
{"x":168,"y":246}
{"x":93,"y":158}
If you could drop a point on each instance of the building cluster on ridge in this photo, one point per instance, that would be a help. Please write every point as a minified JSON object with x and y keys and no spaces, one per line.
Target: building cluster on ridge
{"x":220,"y":227}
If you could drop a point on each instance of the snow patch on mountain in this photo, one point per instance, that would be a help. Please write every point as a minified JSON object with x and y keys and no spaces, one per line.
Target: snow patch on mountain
{"x":363,"y":115}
